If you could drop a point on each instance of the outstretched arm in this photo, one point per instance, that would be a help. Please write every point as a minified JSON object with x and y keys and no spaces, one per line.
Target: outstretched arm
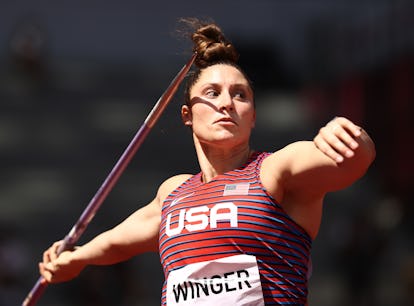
{"x":135,"y":235}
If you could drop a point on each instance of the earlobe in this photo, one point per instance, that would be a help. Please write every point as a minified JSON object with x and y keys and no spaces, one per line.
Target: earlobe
{"x":186,"y":115}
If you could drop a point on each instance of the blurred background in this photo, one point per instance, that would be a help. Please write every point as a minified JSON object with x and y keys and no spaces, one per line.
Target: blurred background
{"x":77,"y":79}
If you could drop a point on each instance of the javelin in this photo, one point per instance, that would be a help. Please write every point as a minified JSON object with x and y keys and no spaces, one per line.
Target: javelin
{"x":77,"y":230}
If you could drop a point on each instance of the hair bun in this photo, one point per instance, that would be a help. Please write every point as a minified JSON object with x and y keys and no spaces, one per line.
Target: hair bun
{"x":210,"y":43}
{"x":212,"y":46}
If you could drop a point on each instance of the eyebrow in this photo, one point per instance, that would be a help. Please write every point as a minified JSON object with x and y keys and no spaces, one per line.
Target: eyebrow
{"x":244,"y":86}
{"x":237,"y":85}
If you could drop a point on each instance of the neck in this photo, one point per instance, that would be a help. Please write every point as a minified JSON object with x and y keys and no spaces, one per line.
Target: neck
{"x":216,"y":161}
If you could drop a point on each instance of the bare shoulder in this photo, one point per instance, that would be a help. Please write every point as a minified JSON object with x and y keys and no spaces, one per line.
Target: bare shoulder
{"x":170,"y":184}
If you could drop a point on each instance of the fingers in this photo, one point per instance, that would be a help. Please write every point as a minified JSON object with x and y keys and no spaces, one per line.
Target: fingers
{"x":337,"y":139}
{"x":51,"y":253}
{"x":54,"y":250}
{"x":56,"y":271}
{"x":48,"y":267}
{"x":46,"y":273}
{"x":347,"y":124}
{"x":324,"y":147}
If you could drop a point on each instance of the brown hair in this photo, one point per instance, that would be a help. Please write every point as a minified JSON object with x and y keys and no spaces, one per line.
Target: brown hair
{"x":212,"y":48}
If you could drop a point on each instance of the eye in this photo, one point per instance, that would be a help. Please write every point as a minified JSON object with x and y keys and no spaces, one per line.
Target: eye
{"x":211,"y":93}
{"x":240,"y":95}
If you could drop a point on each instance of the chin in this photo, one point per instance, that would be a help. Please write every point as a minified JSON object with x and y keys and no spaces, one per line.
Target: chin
{"x":225,"y":142}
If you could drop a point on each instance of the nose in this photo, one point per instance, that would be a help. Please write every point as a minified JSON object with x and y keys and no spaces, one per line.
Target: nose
{"x":226,"y":102}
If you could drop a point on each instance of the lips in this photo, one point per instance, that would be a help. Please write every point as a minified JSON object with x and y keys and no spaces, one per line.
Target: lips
{"x":225,"y":120}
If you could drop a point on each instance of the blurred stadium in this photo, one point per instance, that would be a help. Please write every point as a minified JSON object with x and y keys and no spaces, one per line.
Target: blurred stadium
{"x":78,"y":78}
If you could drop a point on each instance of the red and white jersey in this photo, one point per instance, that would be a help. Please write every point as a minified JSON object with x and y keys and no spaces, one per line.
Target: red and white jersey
{"x":227,"y":242}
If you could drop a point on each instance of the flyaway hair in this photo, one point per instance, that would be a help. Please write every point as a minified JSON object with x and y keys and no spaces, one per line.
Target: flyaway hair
{"x":209,"y":42}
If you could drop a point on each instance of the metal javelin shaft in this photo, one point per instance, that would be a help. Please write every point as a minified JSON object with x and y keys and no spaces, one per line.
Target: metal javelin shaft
{"x":77,"y":230}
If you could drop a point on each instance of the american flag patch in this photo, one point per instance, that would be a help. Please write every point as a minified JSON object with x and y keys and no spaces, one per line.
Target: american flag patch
{"x":236,"y":189}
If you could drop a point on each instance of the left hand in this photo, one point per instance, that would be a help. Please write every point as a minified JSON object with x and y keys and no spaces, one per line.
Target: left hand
{"x":337,"y":139}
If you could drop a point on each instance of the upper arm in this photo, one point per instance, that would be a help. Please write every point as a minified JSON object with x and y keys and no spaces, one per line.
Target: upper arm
{"x":139,"y":232}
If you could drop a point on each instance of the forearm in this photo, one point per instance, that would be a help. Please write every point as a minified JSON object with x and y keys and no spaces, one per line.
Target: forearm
{"x":136,"y":234}
{"x":102,"y":250}
{"x":314,"y":172}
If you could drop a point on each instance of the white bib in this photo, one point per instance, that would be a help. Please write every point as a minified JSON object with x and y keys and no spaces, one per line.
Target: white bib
{"x":232,"y":280}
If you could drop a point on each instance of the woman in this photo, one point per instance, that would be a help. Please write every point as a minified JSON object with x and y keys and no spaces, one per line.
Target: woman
{"x":240,"y":231}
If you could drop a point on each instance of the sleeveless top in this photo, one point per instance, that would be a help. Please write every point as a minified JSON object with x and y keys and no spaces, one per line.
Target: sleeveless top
{"x":227,"y":242}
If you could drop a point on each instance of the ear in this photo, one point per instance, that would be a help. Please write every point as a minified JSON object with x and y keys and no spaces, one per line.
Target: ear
{"x":186,"y":115}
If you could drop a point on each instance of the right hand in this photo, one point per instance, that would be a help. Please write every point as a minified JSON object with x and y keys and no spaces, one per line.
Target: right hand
{"x":59,"y":268}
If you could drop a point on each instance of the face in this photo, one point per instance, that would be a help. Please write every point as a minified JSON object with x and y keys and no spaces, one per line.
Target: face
{"x":221,"y":110}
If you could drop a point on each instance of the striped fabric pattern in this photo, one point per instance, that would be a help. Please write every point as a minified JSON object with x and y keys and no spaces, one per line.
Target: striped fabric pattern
{"x":233,"y":214}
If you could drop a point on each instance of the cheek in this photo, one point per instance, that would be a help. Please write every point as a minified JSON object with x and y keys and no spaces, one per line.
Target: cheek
{"x":201,"y":113}
{"x":249,"y":116}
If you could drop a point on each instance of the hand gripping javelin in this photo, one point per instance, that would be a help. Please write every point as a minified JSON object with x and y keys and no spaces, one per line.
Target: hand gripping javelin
{"x":110,"y":181}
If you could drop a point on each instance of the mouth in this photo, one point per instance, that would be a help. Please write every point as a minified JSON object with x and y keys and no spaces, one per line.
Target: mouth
{"x":226,"y":120}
